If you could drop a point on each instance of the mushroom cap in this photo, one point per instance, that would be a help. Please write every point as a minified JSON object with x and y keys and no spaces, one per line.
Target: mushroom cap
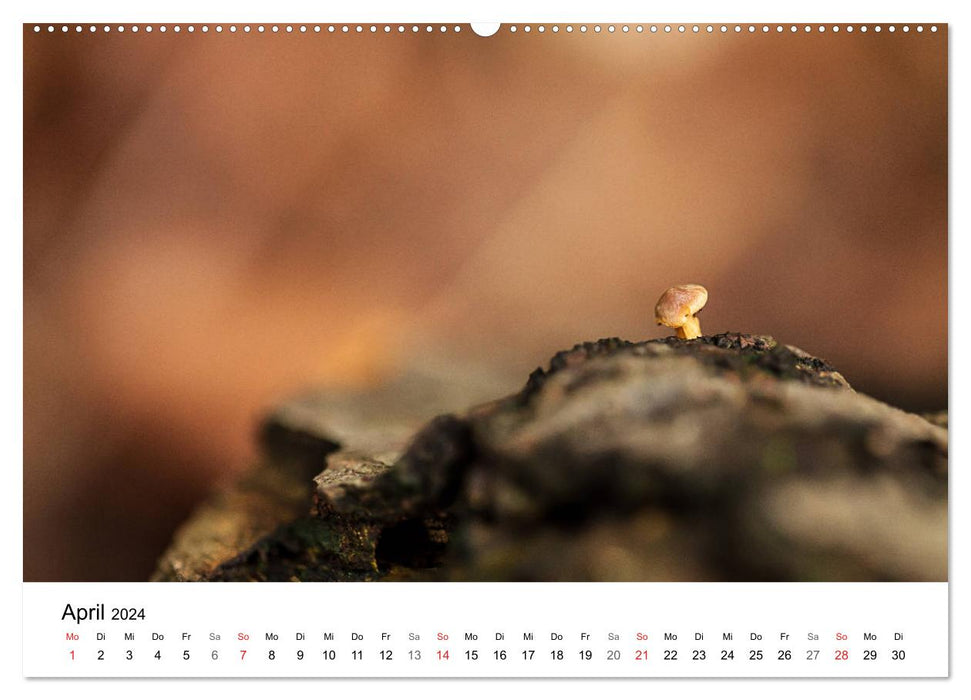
{"x":680,"y":303}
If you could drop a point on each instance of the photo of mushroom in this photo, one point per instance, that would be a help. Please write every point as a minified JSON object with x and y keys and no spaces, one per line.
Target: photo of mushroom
{"x":407,"y":303}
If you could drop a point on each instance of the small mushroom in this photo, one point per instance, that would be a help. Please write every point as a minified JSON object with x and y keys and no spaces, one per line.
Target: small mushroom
{"x":677,"y":308}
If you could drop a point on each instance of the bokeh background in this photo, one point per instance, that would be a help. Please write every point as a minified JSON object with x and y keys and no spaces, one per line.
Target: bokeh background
{"x":215,"y":221}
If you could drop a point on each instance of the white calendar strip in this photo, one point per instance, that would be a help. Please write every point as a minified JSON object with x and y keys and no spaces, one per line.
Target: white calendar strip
{"x":485,"y":630}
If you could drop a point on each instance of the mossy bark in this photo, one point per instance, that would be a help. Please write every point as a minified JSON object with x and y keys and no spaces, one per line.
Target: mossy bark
{"x":727,"y":457}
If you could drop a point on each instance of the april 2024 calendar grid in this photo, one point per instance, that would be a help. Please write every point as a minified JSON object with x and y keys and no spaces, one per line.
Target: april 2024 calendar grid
{"x":482,"y":629}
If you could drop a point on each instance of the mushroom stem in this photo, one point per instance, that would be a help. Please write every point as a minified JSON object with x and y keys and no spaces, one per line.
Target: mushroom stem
{"x":691,"y":329}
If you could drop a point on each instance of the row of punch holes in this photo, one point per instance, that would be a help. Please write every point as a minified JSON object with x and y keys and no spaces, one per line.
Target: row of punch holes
{"x":512,"y":29}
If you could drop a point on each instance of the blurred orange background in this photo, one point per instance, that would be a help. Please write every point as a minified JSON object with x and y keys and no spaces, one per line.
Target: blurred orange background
{"x":212,"y":222}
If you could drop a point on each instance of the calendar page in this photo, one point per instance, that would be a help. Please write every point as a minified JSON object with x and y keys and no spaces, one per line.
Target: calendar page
{"x":523,"y":349}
